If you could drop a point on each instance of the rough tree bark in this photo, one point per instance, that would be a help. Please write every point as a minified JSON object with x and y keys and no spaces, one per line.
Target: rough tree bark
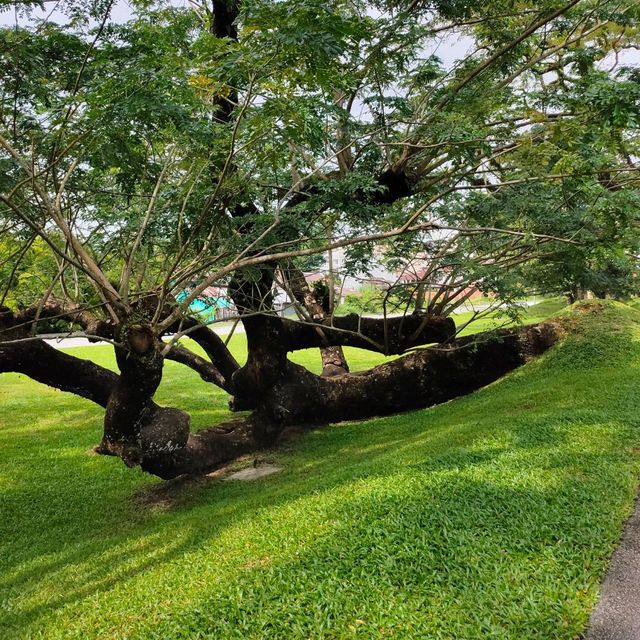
{"x":134,"y":426}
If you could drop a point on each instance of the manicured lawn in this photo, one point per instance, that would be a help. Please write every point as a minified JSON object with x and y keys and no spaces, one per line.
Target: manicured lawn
{"x":491,"y":516}
{"x":496,"y":320}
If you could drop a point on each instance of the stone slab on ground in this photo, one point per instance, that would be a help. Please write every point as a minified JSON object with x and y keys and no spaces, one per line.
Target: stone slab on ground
{"x":617,"y":614}
{"x":252,"y":473}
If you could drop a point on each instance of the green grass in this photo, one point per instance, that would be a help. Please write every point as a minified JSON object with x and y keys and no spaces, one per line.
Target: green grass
{"x":491,"y":516}
{"x":496,"y":319}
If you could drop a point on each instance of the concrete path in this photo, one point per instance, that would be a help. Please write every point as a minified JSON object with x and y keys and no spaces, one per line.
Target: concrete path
{"x":253,"y":473}
{"x":617,"y":614}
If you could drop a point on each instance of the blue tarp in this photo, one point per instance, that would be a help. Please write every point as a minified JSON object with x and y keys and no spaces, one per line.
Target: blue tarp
{"x":206,"y":306}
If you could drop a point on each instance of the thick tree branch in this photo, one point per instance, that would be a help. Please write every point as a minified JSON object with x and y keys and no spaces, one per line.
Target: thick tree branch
{"x":208,"y":371}
{"x":212,"y":344}
{"x":390,"y":336}
{"x":421,"y":379}
{"x":41,"y":362}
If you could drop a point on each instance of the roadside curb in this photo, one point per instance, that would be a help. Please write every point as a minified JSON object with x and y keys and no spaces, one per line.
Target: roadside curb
{"x":617,"y":613}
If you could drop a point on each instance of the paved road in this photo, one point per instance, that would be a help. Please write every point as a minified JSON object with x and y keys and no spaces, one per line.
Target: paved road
{"x":469,"y":306}
{"x":617,"y":614}
{"x":223,"y":329}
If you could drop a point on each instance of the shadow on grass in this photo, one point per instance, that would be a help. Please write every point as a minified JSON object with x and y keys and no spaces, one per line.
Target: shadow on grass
{"x":423,"y":521}
{"x":463,"y":558}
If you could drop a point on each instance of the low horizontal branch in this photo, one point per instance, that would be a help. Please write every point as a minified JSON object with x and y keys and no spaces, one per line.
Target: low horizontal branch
{"x":19,"y":353}
{"x":420,"y":379}
{"x":390,"y":336}
{"x":42,"y":363}
{"x":215,"y":348}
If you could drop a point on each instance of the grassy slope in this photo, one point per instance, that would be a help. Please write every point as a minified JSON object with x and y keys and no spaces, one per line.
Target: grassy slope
{"x":489,"y":517}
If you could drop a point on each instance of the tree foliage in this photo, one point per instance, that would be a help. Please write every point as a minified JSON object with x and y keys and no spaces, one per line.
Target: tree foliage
{"x":230,"y":143}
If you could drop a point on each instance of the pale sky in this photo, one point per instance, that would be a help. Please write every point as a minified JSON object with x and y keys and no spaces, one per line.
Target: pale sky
{"x":120,"y":12}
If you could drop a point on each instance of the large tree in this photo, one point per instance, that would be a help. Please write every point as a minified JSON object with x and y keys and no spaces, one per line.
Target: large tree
{"x":226,"y":144}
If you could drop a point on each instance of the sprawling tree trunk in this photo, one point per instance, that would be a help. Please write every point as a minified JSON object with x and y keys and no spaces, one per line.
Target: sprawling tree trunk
{"x":420,"y":379}
{"x":297,"y":397}
{"x":281,"y":393}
